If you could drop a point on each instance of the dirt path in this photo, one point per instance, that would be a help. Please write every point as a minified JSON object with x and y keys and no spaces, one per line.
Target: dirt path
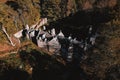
{"x":11,"y":50}
{"x":7,"y":54}
{"x":3,"y":1}
{"x":7,"y":49}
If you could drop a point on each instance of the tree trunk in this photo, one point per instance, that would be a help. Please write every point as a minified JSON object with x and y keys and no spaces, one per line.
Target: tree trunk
{"x":9,"y":38}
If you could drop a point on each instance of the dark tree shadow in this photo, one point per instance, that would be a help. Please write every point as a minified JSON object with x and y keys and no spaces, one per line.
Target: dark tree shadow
{"x":13,"y":4}
{"x":46,"y":67}
{"x":9,"y":73}
{"x":113,"y":73}
{"x":78,"y":23}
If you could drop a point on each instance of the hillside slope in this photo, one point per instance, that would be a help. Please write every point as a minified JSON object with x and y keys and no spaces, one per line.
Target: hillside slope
{"x":103,"y":60}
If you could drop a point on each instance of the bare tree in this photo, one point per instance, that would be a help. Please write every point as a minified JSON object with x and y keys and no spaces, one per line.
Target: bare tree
{"x":15,"y":22}
{"x":4,"y":30}
{"x":21,"y":16}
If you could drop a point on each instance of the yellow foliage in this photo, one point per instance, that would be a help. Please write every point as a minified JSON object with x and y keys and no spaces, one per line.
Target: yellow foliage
{"x":7,"y":14}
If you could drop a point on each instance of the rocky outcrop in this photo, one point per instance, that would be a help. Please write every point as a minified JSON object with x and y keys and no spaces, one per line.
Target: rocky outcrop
{"x":14,"y":14}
